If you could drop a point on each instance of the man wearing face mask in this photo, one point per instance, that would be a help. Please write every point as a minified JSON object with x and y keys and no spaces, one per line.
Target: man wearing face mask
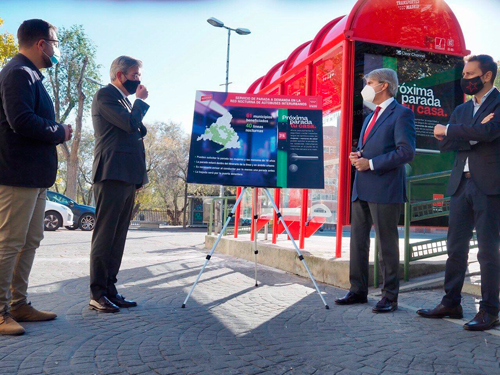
{"x":474,"y":186}
{"x":28,"y":166}
{"x":119,"y":169}
{"x":387,"y":142}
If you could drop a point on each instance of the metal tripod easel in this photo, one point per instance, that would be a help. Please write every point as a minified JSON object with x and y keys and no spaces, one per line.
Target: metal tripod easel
{"x":280,"y":218}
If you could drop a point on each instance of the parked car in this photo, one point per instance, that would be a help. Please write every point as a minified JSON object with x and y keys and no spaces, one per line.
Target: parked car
{"x":57,"y":215}
{"x":84,"y":216}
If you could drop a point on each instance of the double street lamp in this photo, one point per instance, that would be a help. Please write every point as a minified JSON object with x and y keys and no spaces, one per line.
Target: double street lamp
{"x":241,"y":31}
{"x":215,"y":22}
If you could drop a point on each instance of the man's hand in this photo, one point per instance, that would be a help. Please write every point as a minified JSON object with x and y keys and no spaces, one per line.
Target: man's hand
{"x":142,"y":92}
{"x":353,"y":156}
{"x":488,"y":118}
{"x":439,"y":132}
{"x":362,"y":164}
{"x":359,"y":162}
{"x":68,"y":132}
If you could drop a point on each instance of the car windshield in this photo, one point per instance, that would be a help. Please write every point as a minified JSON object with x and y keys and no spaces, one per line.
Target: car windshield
{"x":60,"y":199}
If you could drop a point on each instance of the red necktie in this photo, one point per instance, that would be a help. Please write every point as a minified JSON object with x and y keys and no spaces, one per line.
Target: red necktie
{"x":372,"y":122}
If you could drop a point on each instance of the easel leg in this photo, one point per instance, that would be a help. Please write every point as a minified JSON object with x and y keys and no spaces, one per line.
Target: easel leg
{"x":215,"y":245}
{"x":301,"y":257}
{"x":255,"y":217}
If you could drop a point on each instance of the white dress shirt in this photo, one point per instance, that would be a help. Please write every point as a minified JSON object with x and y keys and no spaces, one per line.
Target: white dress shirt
{"x":121,"y":92}
{"x":382,"y":106}
{"x":476,"y":108}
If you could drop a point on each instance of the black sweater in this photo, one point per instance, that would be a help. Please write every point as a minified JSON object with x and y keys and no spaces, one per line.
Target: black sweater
{"x":28,"y":131}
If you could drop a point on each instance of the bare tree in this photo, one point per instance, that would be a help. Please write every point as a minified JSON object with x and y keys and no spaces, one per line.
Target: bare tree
{"x":167,"y":156}
{"x":84,"y":177}
{"x":70,"y":90}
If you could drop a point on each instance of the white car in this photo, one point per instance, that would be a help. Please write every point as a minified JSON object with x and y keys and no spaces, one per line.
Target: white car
{"x":56,"y":216}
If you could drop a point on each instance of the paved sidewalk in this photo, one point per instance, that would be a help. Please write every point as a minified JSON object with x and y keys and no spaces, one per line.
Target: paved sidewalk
{"x":229,"y":326}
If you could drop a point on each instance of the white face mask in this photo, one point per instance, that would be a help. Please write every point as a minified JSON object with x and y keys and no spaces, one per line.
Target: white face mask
{"x":368,"y":93}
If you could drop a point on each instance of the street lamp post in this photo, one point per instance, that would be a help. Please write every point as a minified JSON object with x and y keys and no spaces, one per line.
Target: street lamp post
{"x":241,"y":31}
{"x":91,"y":80}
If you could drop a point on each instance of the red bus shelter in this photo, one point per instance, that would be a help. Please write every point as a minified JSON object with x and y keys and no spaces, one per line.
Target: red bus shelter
{"x":420,"y":39}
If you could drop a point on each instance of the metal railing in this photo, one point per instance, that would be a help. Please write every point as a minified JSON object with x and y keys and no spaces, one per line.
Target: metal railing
{"x":244,"y":227}
{"x":415,"y":211}
{"x":225,"y":212}
{"x":150,"y":216}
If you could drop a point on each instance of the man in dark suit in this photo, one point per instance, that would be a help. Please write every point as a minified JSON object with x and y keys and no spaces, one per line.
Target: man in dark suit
{"x":28,"y":166}
{"x":119,"y":169}
{"x":474,"y":186}
{"x":387,"y":142}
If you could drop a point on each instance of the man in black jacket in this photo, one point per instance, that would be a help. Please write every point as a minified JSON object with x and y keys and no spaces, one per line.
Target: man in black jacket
{"x":119,"y":169}
{"x":474,"y":187}
{"x":28,"y":166}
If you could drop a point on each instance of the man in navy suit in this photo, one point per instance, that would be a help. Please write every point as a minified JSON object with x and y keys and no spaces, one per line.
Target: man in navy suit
{"x":119,"y":169}
{"x":387,"y":142}
{"x":474,"y":187}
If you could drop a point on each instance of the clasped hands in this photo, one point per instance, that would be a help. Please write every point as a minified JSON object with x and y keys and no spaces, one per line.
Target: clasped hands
{"x":68,"y":132}
{"x":359,"y":162}
{"x":440,"y":130}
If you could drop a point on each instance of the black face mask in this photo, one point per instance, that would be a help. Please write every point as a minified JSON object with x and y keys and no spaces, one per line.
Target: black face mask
{"x":131,"y":86}
{"x":472,"y":86}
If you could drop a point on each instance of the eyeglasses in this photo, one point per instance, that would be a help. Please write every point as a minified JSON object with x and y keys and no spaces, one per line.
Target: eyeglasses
{"x":56,"y":42}
{"x":136,"y":76}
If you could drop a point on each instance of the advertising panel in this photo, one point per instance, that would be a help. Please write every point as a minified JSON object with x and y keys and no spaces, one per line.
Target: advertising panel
{"x":429,"y":84}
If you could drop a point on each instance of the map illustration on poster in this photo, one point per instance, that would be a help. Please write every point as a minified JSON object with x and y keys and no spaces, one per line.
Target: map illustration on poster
{"x":257,"y":140}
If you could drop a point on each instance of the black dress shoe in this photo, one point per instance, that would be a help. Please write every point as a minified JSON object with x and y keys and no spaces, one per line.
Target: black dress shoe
{"x":385,"y":305}
{"x":441,"y":311}
{"x":104,"y":305}
{"x":482,"y":322}
{"x":351,"y":298}
{"x":120,"y":301}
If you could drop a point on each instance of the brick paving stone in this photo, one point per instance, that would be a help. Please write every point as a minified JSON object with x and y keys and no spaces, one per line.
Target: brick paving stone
{"x":446,"y":369}
{"x":166,"y":371}
{"x":347,"y":372}
{"x":374,"y":363}
{"x":420,"y":372}
{"x":369,"y":370}
{"x":251,"y":370}
{"x":229,"y":326}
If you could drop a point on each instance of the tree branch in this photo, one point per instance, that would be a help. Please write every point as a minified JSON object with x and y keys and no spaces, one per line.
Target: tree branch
{"x":65,"y":150}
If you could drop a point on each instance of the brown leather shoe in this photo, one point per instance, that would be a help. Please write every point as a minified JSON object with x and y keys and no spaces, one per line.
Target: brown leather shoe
{"x":482,"y":322}
{"x":103,"y":305}
{"x":9,"y":326}
{"x":441,"y":311}
{"x":27,"y":313}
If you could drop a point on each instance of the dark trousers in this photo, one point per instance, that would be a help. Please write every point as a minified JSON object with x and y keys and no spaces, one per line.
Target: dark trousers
{"x":114,"y":204}
{"x":385,"y":218}
{"x":470,"y":208}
